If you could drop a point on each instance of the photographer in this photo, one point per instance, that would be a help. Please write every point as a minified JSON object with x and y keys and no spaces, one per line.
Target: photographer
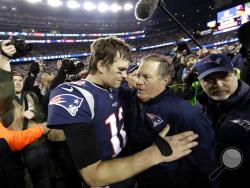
{"x":66,"y":68}
{"x":35,"y":68}
{"x":23,"y":113}
{"x":7,"y":96}
{"x":11,"y":166}
{"x":182,"y":51}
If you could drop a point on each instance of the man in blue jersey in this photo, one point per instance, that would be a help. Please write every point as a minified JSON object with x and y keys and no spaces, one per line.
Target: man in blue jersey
{"x":148,"y":111}
{"x":91,"y":117}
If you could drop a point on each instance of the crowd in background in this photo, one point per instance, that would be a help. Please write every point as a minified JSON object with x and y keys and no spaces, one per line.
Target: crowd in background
{"x":42,"y":76}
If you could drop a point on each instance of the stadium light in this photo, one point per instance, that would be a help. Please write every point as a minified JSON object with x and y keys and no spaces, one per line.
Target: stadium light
{"x":114,"y":7}
{"x":89,"y":6}
{"x":128,"y":6}
{"x":34,"y":1}
{"x":103,"y":7}
{"x":55,"y":3}
{"x":73,"y":4}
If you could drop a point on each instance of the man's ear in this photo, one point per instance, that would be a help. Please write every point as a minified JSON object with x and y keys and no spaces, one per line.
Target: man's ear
{"x":166,"y":80}
{"x":235,"y":71}
{"x":100,"y":66}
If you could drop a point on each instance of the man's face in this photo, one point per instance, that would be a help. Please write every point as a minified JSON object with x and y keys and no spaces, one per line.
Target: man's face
{"x":220,"y":85}
{"x":190,"y":62}
{"x":18,"y":82}
{"x":132,"y":79}
{"x":114,"y":74}
{"x":58,"y":64}
{"x":149,"y":83}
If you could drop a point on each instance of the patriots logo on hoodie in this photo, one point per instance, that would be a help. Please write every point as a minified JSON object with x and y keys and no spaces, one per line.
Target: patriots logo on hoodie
{"x":156,"y":120}
{"x":243,"y":123}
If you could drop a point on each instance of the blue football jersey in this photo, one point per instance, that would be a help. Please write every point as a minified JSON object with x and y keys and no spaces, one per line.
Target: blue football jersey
{"x":85,"y":102}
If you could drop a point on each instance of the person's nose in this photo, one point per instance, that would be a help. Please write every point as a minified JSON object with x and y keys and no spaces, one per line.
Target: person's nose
{"x":139,"y":80}
{"x":124,"y":74}
{"x":218,"y":83}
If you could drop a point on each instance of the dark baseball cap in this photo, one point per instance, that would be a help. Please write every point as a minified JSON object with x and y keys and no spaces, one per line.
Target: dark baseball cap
{"x":213,"y":63}
{"x":132,"y":67}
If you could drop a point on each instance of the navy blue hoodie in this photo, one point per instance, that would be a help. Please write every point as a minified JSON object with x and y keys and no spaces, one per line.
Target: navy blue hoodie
{"x":144,"y":120}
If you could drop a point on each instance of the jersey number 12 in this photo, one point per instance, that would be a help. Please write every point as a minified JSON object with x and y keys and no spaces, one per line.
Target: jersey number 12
{"x":118,"y":139}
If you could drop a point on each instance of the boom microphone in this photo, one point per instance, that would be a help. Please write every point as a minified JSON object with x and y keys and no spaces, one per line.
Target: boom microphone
{"x":144,"y":9}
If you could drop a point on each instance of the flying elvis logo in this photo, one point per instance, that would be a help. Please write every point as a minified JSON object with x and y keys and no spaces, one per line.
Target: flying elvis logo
{"x":69,"y":102}
{"x":156,"y":120}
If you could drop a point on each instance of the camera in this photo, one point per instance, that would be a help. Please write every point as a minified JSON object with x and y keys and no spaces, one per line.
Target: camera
{"x":22,"y":48}
{"x":72,"y":66}
{"x":72,"y":77}
{"x":78,"y":64}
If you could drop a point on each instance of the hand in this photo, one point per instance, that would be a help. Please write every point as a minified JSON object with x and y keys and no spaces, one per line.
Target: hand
{"x":180,"y":144}
{"x":83,"y":74}
{"x":41,"y":65}
{"x":28,"y":114}
{"x":45,"y":128}
{"x":34,"y":68}
{"x":67,"y":65}
{"x":203,"y":52}
{"x":59,"y":64}
{"x":178,"y":55}
{"x":9,"y":50}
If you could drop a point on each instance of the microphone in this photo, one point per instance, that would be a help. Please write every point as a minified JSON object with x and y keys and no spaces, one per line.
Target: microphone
{"x":144,"y":9}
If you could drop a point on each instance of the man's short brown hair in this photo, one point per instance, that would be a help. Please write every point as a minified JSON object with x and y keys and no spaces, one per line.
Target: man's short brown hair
{"x":106,"y":49}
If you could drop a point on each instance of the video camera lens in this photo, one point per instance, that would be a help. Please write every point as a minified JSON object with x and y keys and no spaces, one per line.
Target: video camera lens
{"x":78,"y":65}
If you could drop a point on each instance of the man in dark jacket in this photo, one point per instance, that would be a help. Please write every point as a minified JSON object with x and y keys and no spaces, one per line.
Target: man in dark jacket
{"x":149,"y":110}
{"x":227,"y":103}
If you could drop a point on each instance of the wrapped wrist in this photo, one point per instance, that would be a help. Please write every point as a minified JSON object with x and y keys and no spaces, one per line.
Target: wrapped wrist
{"x":163,"y":146}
